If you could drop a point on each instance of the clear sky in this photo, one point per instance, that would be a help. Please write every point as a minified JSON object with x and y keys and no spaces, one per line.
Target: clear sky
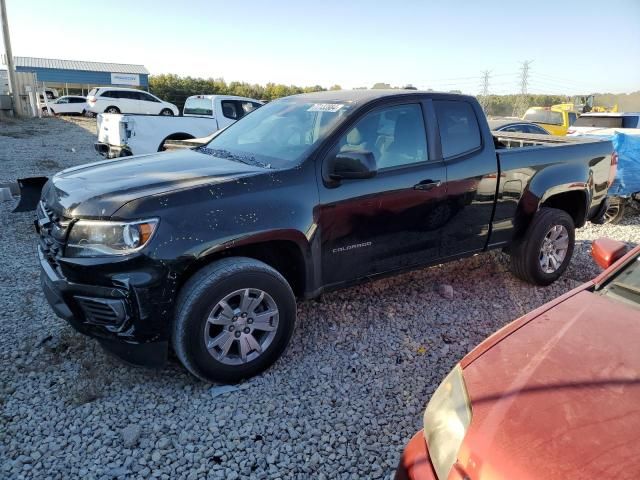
{"x":576,"y":46}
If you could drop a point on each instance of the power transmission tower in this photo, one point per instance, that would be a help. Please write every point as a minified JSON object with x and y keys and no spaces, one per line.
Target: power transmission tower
{"x":484,"y":96}
{"x":522,"y":103}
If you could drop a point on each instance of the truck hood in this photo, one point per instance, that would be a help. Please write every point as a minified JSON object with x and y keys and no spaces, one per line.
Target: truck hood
{"x":558,"y":397}
{"x":98,"y":190}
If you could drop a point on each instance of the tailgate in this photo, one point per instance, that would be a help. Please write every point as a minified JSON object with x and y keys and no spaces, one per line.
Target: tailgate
{"x":114,"y":128}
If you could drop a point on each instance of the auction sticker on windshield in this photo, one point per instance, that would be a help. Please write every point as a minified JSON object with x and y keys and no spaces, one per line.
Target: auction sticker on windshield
{"x":325,"y":107}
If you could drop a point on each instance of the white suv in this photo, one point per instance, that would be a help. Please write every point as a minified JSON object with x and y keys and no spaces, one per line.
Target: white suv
{"x":127,"y":100}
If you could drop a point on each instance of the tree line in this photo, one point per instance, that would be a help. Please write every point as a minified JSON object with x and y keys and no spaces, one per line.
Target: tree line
{"x":176,"y":89}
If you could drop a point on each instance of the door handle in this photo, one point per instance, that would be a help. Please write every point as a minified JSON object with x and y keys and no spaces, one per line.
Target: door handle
{"x":427,"y":184}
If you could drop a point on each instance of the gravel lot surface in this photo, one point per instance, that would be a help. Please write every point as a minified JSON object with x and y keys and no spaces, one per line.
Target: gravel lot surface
{"x":341,"y":403}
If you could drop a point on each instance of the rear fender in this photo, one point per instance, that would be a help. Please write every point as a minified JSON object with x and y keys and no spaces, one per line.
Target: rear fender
{"x":549,"y":182}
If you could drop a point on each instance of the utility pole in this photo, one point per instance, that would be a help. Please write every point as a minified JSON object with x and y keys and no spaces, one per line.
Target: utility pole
{"x":484,"y":96}
{"x":11,"y":69}
{"x":522,"y":104}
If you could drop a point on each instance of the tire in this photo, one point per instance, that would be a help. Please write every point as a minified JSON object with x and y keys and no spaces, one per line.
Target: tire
{"x":112,"y":109}
{"x":615,"y":211}
{"x":166,"y":112}
{"x":200,"y":299}
{"x":528,"y":253}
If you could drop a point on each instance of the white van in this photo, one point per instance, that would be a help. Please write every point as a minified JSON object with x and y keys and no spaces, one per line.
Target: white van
{"x":127,"y":100}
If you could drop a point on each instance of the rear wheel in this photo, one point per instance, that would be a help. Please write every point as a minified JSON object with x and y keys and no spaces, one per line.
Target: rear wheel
{"x":166,"y":112}
{"x":234,"y":318}
{"x":615,"y":210}
{"x":112,"y":110}
{"x":544,"y":251}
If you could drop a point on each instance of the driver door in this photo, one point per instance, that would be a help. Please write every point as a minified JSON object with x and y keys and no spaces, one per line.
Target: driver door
{"x":393,"y":220}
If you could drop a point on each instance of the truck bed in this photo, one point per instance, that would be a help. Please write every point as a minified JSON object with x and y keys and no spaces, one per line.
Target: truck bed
{"x":506,"y":140}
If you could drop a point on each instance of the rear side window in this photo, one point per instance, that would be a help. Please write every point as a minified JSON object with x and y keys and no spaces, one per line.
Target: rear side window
{"x":230,"y":110}
{"x":599,"y":122}
{"x":77,"y":100}
{"x":129,"y":95}
{"x":198,"y":106}
{"x":572,"y":118}
{"x":459,"y":130}
{"x":544,"y":116}
{"x":111,"y":94}
{"x":236,"y":109}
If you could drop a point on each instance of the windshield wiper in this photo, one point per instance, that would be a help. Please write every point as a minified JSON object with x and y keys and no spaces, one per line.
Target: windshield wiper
{"x":227,"y":155}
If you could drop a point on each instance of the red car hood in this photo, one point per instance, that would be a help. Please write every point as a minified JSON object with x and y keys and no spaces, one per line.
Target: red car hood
{"x":558,"y":397}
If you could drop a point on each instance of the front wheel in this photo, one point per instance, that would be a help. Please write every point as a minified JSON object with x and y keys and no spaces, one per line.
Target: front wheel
{"x":112,"y":110}
{"x":167,"y":112}
{"x":544,"y":251}
{"x":234,"y":319}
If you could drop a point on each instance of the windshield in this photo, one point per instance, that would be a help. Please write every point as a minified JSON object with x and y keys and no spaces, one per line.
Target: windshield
{"x":625,"y":286}
{"x":198,"y":106}
{"x":279,"y":134}
{"x":544,"y":116}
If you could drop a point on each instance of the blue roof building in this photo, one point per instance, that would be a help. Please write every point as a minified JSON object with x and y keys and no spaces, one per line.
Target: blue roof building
{"x":80,"y":74}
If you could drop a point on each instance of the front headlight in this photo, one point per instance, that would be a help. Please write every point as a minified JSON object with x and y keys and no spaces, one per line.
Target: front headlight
{"x":446,"y":420}
{"x":97,"y":238}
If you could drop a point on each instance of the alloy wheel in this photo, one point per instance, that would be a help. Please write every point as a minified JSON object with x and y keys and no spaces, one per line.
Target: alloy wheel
{"x":241,"y":326}
{"x":554,"y":248}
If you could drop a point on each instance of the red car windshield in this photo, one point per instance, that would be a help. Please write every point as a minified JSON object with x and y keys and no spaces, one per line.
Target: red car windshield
{"x":625,"y":285}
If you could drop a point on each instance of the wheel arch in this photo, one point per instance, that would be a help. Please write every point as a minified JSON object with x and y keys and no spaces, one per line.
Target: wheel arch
{"x":287,"y":252}
{"x":565,"y":186}
{"x":175,"y":136}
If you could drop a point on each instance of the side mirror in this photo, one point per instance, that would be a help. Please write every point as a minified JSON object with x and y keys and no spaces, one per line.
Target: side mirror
{"x":606,"y":252}
{"x":353,"y":165}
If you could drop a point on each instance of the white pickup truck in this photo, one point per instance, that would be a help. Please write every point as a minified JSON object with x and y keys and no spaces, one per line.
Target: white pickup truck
{"x":122,"y":135}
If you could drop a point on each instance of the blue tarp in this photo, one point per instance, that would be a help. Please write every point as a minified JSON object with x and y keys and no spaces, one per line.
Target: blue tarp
{"x":628,"y":175}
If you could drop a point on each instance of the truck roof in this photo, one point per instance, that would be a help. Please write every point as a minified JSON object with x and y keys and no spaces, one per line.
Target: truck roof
{"x":363,"y":96}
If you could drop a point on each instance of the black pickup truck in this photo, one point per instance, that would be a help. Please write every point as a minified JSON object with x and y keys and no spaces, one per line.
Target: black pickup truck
{"x":206,"y":249}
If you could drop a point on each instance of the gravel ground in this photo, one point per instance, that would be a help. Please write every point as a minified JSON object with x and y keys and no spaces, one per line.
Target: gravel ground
{"x":341,"y":403}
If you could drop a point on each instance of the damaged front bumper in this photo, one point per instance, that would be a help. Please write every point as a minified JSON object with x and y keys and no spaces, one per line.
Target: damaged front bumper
{"x":114,"y":315}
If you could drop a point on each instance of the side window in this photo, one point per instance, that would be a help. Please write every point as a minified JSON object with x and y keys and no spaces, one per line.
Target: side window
{"x":459,"y":131}
{"x":537,"y":129}
{"x":129,"y":95}
{"x":78,"y":100}
{"x":395,"y":135}
{"x":63,"y":100}
{"x":572,"y":118}
{"x":229,"y":109}
{"x":246,"y":107}
{"x":148,"y":98}
{"x":108,"y":94}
